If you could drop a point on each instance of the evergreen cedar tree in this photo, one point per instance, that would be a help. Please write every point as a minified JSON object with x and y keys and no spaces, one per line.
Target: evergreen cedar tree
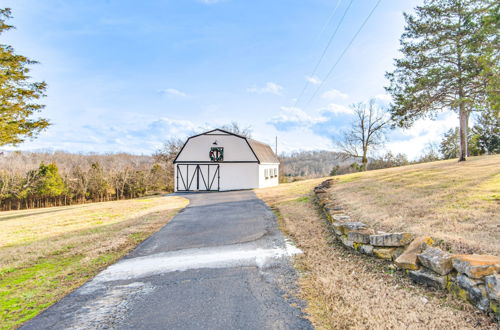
{"x":486,"y":132}
{"x":450,"y":61}
{"x":484,"y":137}
{"x":18,"y":95}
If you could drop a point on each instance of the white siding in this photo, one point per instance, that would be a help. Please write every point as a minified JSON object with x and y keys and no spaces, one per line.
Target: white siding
{"x":271,"y":179}
{"x":235,"y":148}
{"x":239,"y":169}
{"x":233,"y":176}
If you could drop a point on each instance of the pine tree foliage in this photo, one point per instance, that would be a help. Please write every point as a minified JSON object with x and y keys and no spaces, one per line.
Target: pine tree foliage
{"x":445,"y":63}
{"x":49,"y":183}
{"x":450,"y":146}
{"x":486,"y":132}
{"x":489,"y":49}
{"x":484,"y":138}
{"x":18,"y":95}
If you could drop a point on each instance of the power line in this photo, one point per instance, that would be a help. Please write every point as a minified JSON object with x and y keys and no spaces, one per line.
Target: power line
{"x":329,"y":20}
{"x":324,"y":50}
{"x":343,"y":52}
{"x":331,"y":38}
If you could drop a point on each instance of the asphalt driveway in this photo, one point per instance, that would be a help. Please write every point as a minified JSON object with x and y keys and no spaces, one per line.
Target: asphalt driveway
{"x":221,"y":263}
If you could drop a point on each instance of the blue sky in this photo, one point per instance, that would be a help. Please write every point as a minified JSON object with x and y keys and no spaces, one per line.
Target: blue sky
{"x":127,"y":75}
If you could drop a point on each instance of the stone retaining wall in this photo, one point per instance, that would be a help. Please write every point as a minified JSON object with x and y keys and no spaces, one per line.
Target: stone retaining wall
{"x":475,"y":278}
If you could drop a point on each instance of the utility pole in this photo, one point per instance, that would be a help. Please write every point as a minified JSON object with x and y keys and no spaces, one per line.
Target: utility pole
{"x":276,"y":147}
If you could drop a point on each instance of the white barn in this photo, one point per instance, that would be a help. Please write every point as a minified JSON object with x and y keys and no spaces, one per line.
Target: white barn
{"x":219,"y":160}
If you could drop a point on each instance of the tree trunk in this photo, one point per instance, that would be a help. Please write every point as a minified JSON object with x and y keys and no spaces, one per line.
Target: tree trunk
{"x":463,"y":133}
{"x":467,"y":133}
{"x":364,"y":159}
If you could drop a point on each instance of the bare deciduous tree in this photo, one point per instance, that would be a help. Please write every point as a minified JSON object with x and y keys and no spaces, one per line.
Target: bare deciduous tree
{"x":367,"y":132}
{"x":236,"y":128}
{"x":166,"y":155}
{"x":28,"y":179}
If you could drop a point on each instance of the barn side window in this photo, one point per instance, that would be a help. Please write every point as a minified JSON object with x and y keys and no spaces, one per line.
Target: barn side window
{"x":275,"y":172}
{"x":266,"y":173}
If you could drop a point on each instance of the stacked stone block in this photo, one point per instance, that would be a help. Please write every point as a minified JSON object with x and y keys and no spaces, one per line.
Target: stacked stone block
{"x":475,"y":278}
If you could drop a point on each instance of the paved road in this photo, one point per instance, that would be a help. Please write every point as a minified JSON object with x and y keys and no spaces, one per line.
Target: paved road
{"x":221,"y":263}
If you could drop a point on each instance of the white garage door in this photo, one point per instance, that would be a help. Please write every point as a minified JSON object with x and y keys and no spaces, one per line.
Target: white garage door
{"x":198,"y":177}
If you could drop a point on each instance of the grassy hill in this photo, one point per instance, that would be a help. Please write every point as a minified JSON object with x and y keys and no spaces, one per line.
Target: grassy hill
{"x":456,"y":202}
{"x":46,"y":253}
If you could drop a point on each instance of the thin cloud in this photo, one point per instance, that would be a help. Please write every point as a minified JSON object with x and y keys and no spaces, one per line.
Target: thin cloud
{"x":269,"y":88}
{"x":314,"y":80}
{"x":141,"y":137}
{"x":412,"y":141}
{"x":175,"y":92}
{"x":291,"y":117}
{"x":384,"y":98}
{"x":338,"y":109}
{"x":334,"y":94}
{"x":433,"y":127}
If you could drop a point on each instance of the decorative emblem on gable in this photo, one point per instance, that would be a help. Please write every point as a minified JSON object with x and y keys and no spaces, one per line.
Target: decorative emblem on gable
{"x":216,"y":154}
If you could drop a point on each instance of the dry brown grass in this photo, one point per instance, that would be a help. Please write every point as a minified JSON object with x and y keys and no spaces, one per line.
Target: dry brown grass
{"x":346,"y":290}
{"x":288,"y":191}
{"x":47,"y":253}
{"x":455,"y":202}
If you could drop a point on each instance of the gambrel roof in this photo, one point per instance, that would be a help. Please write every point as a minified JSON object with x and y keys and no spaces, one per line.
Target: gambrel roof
{"x":262,"y":151}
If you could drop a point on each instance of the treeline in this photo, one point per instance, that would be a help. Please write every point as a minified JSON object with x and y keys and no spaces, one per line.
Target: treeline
{"x":307,"y":164}
{"x":30,"y":180}
{"x":41,"y":179}
{"x":320,"y":163}
{"x":482,"y":139}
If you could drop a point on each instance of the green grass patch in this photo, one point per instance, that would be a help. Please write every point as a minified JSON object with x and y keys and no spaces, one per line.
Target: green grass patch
{"x":305,"y":199}
{"x":348,"y":177}
{"x":138,"y":237}
{"x":105,"y":259}
{"x":489,"y":190}
{"x":45,"y":256}
{"x":26,"y":291}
